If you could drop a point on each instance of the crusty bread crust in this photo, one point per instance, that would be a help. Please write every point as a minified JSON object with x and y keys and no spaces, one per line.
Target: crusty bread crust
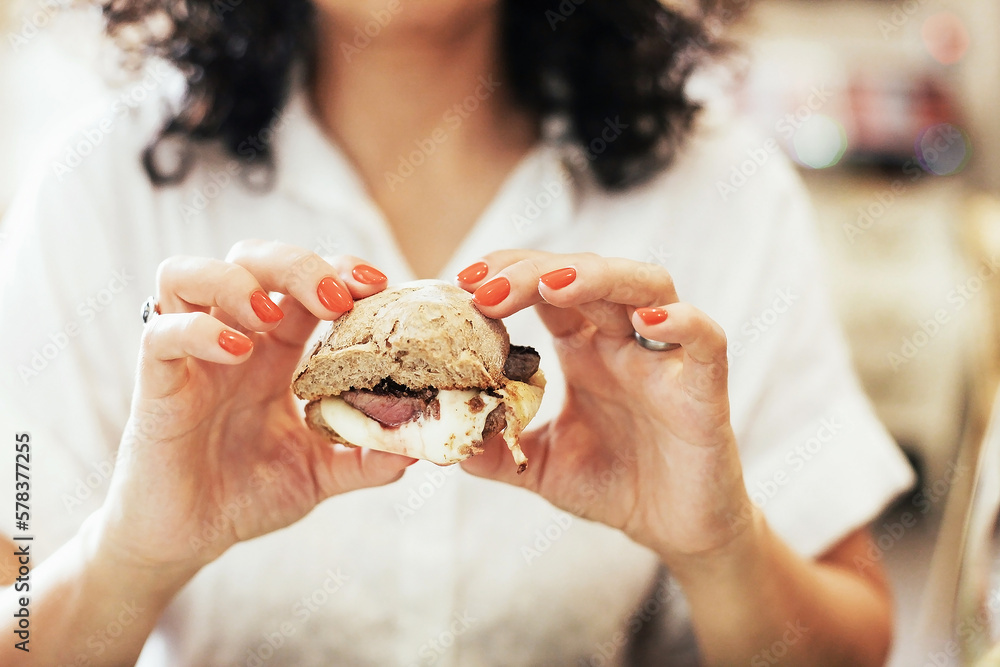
{"x":422,"y":334}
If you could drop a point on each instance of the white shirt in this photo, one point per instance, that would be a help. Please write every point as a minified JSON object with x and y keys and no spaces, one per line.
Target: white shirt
{"x":440,"y":568}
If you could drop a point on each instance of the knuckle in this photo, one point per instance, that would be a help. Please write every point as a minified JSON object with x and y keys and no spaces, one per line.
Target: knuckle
{"x":193,"y":323}
{"x":302,"y":265}
{"x":662,"y":276}
{"x":497,"y":260}
{"x":234,"y":274}
{"x":662,"y":281}
{"x":595,"y":262}
{"x":530,"y":265}
{"x":167,"y":270}
{"x":344,"y":262}
{"x":242,"y":249}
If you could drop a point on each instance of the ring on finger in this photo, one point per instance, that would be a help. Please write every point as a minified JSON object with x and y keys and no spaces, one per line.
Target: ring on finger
{"x":149,"y":308}
{"x":655,"y":345}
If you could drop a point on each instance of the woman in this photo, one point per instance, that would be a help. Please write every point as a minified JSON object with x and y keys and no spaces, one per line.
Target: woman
{"x":420,"y":140}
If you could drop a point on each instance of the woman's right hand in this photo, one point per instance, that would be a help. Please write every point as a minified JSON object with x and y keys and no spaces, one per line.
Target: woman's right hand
{"x":216,"y":450}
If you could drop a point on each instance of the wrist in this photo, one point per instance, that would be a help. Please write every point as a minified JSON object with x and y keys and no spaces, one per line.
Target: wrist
{"x":748,"y":542}
{"x":157,"y":581}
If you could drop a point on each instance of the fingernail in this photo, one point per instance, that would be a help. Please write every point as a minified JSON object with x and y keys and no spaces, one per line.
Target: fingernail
{"x":474,"y":273}
{"x":492,"y":292}
{"x":368,"y":275}
{"x":234,"y":343}
{"x":333,"y":296}
{"x":266,"y":309}
{"x":559,"y":278}
{"x":652,"y":316}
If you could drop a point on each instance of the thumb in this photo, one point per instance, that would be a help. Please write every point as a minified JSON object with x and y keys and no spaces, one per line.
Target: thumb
{"x":497,"y":463}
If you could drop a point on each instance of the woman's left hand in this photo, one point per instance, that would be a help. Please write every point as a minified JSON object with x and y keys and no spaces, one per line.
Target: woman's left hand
{"x":643,"y":442}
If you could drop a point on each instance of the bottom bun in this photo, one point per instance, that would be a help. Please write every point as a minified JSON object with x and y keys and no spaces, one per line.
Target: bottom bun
{"x":452,"y":434}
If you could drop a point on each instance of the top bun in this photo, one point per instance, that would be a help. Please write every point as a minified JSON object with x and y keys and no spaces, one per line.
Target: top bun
{"x":422,"y":334}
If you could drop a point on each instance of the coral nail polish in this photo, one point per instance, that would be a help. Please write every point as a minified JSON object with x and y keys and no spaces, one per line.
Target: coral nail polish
{"x":492,"y":292}
{"x":652,"y":316}
{"x":234,"y":343}
{"x":474,"y":273}
{"x":368,"y":275}
{"x":559,"y":278}
{"x":334,"y":297}
{"x":266,"y":309}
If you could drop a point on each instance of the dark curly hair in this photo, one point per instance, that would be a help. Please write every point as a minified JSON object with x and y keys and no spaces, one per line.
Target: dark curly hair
{"x":580,"y":62}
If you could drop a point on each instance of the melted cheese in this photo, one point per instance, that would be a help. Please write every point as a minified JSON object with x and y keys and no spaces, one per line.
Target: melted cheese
{"x":453,"y":437}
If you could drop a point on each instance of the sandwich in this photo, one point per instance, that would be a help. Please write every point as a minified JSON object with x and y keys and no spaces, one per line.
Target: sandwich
{"x":418,"y":370}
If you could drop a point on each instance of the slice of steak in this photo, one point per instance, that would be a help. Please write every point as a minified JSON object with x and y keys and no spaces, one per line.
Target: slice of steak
{"x":392,"y":405}
{"x":496,"y":422}
{"x":522,"y":363}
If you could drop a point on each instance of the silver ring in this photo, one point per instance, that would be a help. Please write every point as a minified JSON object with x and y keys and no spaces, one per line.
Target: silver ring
{"x":655,"y":345}
{"x":149,"y":308}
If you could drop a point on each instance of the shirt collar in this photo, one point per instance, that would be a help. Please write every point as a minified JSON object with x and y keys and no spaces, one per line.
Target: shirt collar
{"x":538,"y":197}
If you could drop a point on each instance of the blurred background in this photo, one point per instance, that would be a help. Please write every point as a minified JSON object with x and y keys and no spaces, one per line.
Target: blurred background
{"x":889,"y":109}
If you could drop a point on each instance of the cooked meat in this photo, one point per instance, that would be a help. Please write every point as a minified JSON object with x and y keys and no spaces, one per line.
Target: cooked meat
{"x":522,"y":363}
{"x":392,"y":405}
{"x":496,"y":422}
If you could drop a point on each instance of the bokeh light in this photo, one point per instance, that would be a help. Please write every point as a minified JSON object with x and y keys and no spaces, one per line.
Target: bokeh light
{"x":820,"y":142}
{"x":943,"y":149}
{"x":945,"y":37}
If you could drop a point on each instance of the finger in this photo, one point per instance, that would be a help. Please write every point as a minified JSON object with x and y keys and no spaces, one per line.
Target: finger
{"x":169,"y":340}
{"x":362,"y":280}
{"x":326,"y":289}
{"x":603,"y":290}
{"x":198,"y":284}
{"x":298,"y":325}
{"x":560,"y":321}
{"x":484,"y":269}
{"x":341,"y":469}
{"x":703,"y":341}
{"x":496,"y":463}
